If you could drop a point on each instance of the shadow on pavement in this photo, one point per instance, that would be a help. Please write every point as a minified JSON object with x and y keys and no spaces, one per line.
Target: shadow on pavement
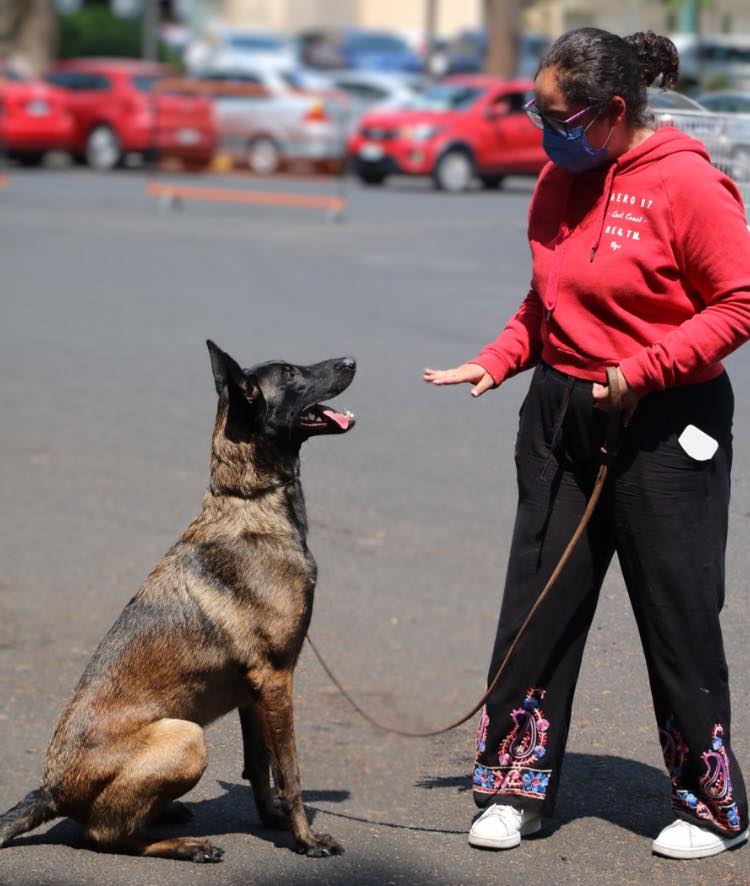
{"x":626,"y":793}
{"x":231,"y":813}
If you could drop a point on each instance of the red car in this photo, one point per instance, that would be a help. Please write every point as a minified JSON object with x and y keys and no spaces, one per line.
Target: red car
{"x":458,"y":129}
{"x":118,"y":111}
{"x":34,"y":118}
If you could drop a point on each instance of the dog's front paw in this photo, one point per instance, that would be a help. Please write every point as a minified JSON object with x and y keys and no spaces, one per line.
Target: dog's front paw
{"x":201,"y":851}
{"x":323,"y":847}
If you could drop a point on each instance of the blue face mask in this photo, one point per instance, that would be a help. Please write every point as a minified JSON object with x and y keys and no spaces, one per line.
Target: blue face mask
{"x":573,"y":152}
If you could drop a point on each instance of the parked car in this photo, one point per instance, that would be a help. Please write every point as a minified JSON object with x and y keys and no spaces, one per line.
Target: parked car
{"x":357,"y":49}
{"x":373,"y":90}
{"x":711,"y":59}
{"x":118,"y":109}
{"x":34,"y":118}
{"x":233,"y":49}
{"x":460,"y":128}
{"x":465,"y":54}
{"x":735,"y":107}
{"x":675,"y":109}
{"x":265,"y":121}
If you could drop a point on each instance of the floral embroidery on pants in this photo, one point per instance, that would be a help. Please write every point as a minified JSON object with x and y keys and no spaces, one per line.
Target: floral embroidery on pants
{"x":522,"y":748}
{"x":716,"y":802}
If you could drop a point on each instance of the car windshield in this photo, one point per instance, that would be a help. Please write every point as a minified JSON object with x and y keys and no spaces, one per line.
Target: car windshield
{"x":672,"y":100}
{"x":255,"y":42}
{"x":447,"y":97}
{"x":375,"y":43}
{"x":734,"y":103}
{"x":718,"y":54}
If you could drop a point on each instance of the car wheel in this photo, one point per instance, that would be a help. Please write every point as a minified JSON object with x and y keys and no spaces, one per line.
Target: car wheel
{"x":491,"y":182}
{"x":263,"y":155}
{"x":741,"y":164}
{"x":371,"y":176}
{"x":454,"y":171}
{"x":103,"y":150}
{"x":31,"y":159}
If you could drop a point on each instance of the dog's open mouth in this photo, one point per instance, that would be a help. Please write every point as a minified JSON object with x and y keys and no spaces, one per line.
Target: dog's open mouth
{"x":323,"y":419}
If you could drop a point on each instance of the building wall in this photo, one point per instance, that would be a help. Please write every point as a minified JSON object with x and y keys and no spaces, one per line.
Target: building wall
{"x":400,"y":15}
{"x":551,"y":17}
{"x":554,"y":17}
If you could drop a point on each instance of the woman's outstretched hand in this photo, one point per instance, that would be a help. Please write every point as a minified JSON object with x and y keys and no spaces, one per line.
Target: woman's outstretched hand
{"x":466,"y":373}
{"x":629,"y":399}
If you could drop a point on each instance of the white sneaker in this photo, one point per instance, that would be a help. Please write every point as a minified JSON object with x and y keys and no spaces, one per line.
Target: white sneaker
{"x":684,"y":840}
{"x":501,"y":827}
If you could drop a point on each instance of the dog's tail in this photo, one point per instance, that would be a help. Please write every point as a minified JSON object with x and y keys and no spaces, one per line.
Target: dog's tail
{"x":35,"y":808}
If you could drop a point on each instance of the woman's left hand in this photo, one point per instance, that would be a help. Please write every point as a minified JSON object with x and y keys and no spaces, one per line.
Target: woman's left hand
{"x":628,"y":402}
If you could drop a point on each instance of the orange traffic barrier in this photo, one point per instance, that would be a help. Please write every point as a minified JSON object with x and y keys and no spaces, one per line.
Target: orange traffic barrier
{"x":230,"y":195}
{"x":322,"y":120}
{"x":3,"y":180}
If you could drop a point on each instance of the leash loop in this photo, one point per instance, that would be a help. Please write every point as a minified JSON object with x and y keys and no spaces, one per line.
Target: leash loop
{"x":608,"y":452}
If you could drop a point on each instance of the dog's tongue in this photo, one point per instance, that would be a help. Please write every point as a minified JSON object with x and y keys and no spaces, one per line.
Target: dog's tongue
{"x":339,"y":418}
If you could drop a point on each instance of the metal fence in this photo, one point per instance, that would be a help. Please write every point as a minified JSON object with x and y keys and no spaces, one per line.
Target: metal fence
{"x":726,"y":137}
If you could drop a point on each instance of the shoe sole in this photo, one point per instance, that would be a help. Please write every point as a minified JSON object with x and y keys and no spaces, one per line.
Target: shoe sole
{"x":531,"y":827}
{"x":697,"y":852}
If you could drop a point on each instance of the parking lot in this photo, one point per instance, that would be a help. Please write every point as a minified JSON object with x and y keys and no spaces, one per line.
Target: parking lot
{"x":108,"y":404}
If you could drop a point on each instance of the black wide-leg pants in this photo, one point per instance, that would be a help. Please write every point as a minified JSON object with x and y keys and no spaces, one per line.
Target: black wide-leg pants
{"x":665,"y":515}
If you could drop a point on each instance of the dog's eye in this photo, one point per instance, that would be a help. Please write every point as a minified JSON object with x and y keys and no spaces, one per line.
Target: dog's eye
{"x":289,"y":373}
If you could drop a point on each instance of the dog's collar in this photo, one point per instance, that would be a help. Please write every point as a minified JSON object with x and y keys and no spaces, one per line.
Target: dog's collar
{"x":256,"y":493}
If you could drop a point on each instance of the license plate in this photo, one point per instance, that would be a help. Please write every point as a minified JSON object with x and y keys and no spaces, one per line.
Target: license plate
{"x":37,"y":109}
{"x":188,"y":136}
{"x":371,"y":152}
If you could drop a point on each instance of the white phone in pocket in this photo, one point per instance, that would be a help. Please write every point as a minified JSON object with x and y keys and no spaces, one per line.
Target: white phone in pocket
{"x":697,"y":444}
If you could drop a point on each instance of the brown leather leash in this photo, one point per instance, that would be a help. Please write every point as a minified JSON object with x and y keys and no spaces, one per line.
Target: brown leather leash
{"x":608,"y":451}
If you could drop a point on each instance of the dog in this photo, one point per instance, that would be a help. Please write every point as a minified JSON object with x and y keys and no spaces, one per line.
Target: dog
{"x":217,"y":625}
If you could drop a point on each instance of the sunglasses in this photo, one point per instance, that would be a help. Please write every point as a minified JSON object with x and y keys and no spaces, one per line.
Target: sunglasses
{"x":561,"y":126}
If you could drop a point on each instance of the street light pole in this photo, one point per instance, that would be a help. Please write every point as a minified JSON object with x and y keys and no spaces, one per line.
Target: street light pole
{"x":150,"y":30}
{"x":430,"y":23}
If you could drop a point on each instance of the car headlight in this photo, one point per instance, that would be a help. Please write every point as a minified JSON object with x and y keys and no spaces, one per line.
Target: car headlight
{"x":422,"y":132}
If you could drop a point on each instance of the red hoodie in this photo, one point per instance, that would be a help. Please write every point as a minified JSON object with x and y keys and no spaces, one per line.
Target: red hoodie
{"x":644,"y":264}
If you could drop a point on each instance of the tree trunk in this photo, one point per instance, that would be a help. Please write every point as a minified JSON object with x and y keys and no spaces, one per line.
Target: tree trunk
{"x":28,"y":33}
{"x":503,"y":23}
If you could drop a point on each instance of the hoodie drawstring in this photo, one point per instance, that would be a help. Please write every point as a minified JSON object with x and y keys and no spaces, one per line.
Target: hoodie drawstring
{"x":605,"y":205}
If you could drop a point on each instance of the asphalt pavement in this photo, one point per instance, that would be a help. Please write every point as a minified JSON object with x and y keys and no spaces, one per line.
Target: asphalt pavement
{"x":107,"y":400}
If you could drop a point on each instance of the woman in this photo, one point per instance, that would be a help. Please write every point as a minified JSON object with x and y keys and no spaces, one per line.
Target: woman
{"x":640,"y":260}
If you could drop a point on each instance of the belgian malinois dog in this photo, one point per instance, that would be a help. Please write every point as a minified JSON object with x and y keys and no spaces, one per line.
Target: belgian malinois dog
{"x":218,"y":625}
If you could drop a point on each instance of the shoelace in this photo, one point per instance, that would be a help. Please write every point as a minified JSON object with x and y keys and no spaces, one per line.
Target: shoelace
{"x":509,"y":816}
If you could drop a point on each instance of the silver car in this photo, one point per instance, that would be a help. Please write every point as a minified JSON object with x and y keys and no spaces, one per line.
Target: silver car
{"x":266,"y":121}
{"x":682,"y":112}
{"x":735,"y":108}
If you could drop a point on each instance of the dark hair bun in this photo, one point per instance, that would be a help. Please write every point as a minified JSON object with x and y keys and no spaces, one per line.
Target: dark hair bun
{"x":656,"y":56}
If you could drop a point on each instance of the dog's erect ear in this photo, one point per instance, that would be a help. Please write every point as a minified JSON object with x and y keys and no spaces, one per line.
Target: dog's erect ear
{"x":225,"y":369}
{"x":221,"y":366}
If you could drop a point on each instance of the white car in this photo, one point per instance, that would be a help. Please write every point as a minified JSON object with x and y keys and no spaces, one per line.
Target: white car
{"x":267,"y":121}
{"x":735,"y":109}
{"x":238,"y":49}
{"x":683,"y":112}
{"x":373,"y":90}
{"x":712,"y":57}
